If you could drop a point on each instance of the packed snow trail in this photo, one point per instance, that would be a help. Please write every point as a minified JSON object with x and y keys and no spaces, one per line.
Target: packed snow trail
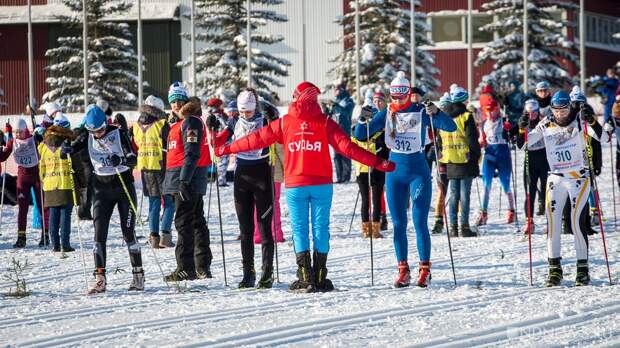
{"x":491,"y":306}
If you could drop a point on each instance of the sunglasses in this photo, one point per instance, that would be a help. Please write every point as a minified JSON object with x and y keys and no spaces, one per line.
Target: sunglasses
{"x":399,"y":97}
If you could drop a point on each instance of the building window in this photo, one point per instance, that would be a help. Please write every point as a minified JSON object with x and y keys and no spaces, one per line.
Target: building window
{"x":478,"y":22}
{"x":600,"y":30}
{"x":447,"y":29}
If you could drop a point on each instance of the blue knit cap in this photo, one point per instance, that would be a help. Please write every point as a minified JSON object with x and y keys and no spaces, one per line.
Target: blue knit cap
{"x":458,"y":94}
{"x":177,"y":92}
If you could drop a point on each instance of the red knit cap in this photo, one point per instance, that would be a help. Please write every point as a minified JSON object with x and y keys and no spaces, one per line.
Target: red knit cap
{"x":214,"y":102}
{"x":305,"y":92}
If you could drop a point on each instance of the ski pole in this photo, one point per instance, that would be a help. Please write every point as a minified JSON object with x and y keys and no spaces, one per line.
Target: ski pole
{"x":528,"y":209}
{"x":372,"y":256}
{"x":354,"y":210}
{"x":141,"y":201}
{"x":42,"y":215}
{"x":219,"y":209}
{"x":595,"y":188}
{"x":499,"y":211}
{"x":133,"y":207}
{"x":77,"y":218}
{"x":513,"y":174}
{"x":611,"y":167}
{"x":3,"y":193}
{"x":445,"y":215}
{"x":273,"y":222}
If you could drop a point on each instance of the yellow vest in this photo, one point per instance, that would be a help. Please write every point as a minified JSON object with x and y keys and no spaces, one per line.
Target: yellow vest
{"x":372,"y":147}
{"x":55,"y":172}
{"x":150,"y":153}
{"x":454,"y":145}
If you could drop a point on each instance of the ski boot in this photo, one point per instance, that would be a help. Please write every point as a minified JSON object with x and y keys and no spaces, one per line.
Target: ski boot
{"x":466,"y":232}
{"x":424,"y":274}
{"x":45,"y":239}
{"x":438,"y":228}
{"x":510,"y":216}
{"x":376,"y":230}
{"x":541,"y":208}
{"x":366,"y":229}
{"x":319,"y":268}
{"x":384,"y":222}
{"x":21,"y":240}
{"x":404,"y":275}
{"x":166,"y":240}
{"x":249,"y":276}
{"x":454,"y":230}
{"x":98,"y":286}
{"x":204,"y":274}
{"x":137,"y":283}
{"x":583,"y":276}
{"x":594,"y":214}
{"x":555,"y":273}
{"x":482,"y":218}
{"x":68,"y":249}
{"x":305,"y":278}
{"x":528,"y":228}
{"x":154,"y":241}
{"x":266,"y":279}
{"x":180,"y":275}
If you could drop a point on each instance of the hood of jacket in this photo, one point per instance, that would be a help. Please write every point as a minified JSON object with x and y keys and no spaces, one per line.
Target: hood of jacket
{"x":56,"y":135}
{"x":455,"y":109}
{"x":191,"y":108}
{"x":149,"y":114}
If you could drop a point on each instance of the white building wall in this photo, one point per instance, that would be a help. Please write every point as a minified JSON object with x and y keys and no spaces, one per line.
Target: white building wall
{"x":320,"y":27}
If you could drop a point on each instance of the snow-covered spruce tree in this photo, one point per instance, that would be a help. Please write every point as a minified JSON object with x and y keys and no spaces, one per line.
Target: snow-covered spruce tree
{"x":221,"y":67}
{"x":113,"y":63}
{"x":385,"y":45}
{"x":547,"y":44}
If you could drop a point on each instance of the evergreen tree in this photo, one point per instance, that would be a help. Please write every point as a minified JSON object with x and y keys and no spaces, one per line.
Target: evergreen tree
{"x":221,"y":67}
{"x":113,"y":63}
{"x":546,"y":44}
{"x":385,"y":45}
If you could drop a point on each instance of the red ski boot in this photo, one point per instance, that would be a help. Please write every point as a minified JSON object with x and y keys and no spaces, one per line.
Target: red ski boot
{"x":424,"y":274}
{"x":528,"y":228}
{"x":482,"y":218}
{"x":404,"y":275}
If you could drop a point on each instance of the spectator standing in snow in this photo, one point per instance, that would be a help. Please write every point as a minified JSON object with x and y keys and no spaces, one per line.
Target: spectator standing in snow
{"x":514,"y":101}
{"x":342,"y":111}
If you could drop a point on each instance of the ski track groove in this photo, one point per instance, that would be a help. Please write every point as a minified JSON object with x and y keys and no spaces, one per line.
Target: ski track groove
{"x":296,"y":332}
{"x":105,"y":308}
{"x":497,"y":334}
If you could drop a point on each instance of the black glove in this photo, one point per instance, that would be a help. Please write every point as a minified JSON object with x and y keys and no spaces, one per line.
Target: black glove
{"x":524,"y":121}
{"x":184,"y":191}
{"x":115,"y":160}
{"x":366,"y":114}
{"x":131,"y":160}
{"x":588,"y":114}
{"x":65,"y":149}
{"x":213,"y":122}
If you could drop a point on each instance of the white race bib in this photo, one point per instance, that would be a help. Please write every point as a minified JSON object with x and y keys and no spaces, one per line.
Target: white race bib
{"x":565,"y":150}
{"x":494,"y":132}
{"x":243,"y":128}
{"x":403,"y":134}
{"x":100,"y":151}
{"x":25,"y":153}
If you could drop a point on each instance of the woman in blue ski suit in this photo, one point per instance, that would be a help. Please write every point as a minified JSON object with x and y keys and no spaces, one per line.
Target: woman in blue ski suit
{"x":406,"y":127}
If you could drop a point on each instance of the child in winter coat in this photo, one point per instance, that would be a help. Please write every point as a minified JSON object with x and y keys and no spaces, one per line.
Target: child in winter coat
{"x":406,"y":127}
{"x":371,"y":225}
{"x":55,"y":170}
{"x":276,"y":158}
{"x":27,"y":159}
{"x":253,"y":189}
{"x":150,"y":139}
{"x":494,"y":138}
{"x":305,"y":132}
{"x":536,"y":171}
{"x":460,"y":154}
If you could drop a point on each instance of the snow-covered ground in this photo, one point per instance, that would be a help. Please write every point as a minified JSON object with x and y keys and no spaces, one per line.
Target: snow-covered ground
{"x":492,"y":304}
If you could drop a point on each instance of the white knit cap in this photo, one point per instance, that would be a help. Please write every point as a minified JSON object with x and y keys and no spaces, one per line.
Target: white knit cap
{"x":50,"y":108}
{"x":155,"y":102}
{"x":246,"y":101}
{"x":21,"y":124}
{"x":400,"y":86}
{"x":102,"y":104}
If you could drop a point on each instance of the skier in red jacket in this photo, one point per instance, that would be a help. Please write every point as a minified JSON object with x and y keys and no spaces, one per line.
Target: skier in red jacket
{"x":305,"y":133}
